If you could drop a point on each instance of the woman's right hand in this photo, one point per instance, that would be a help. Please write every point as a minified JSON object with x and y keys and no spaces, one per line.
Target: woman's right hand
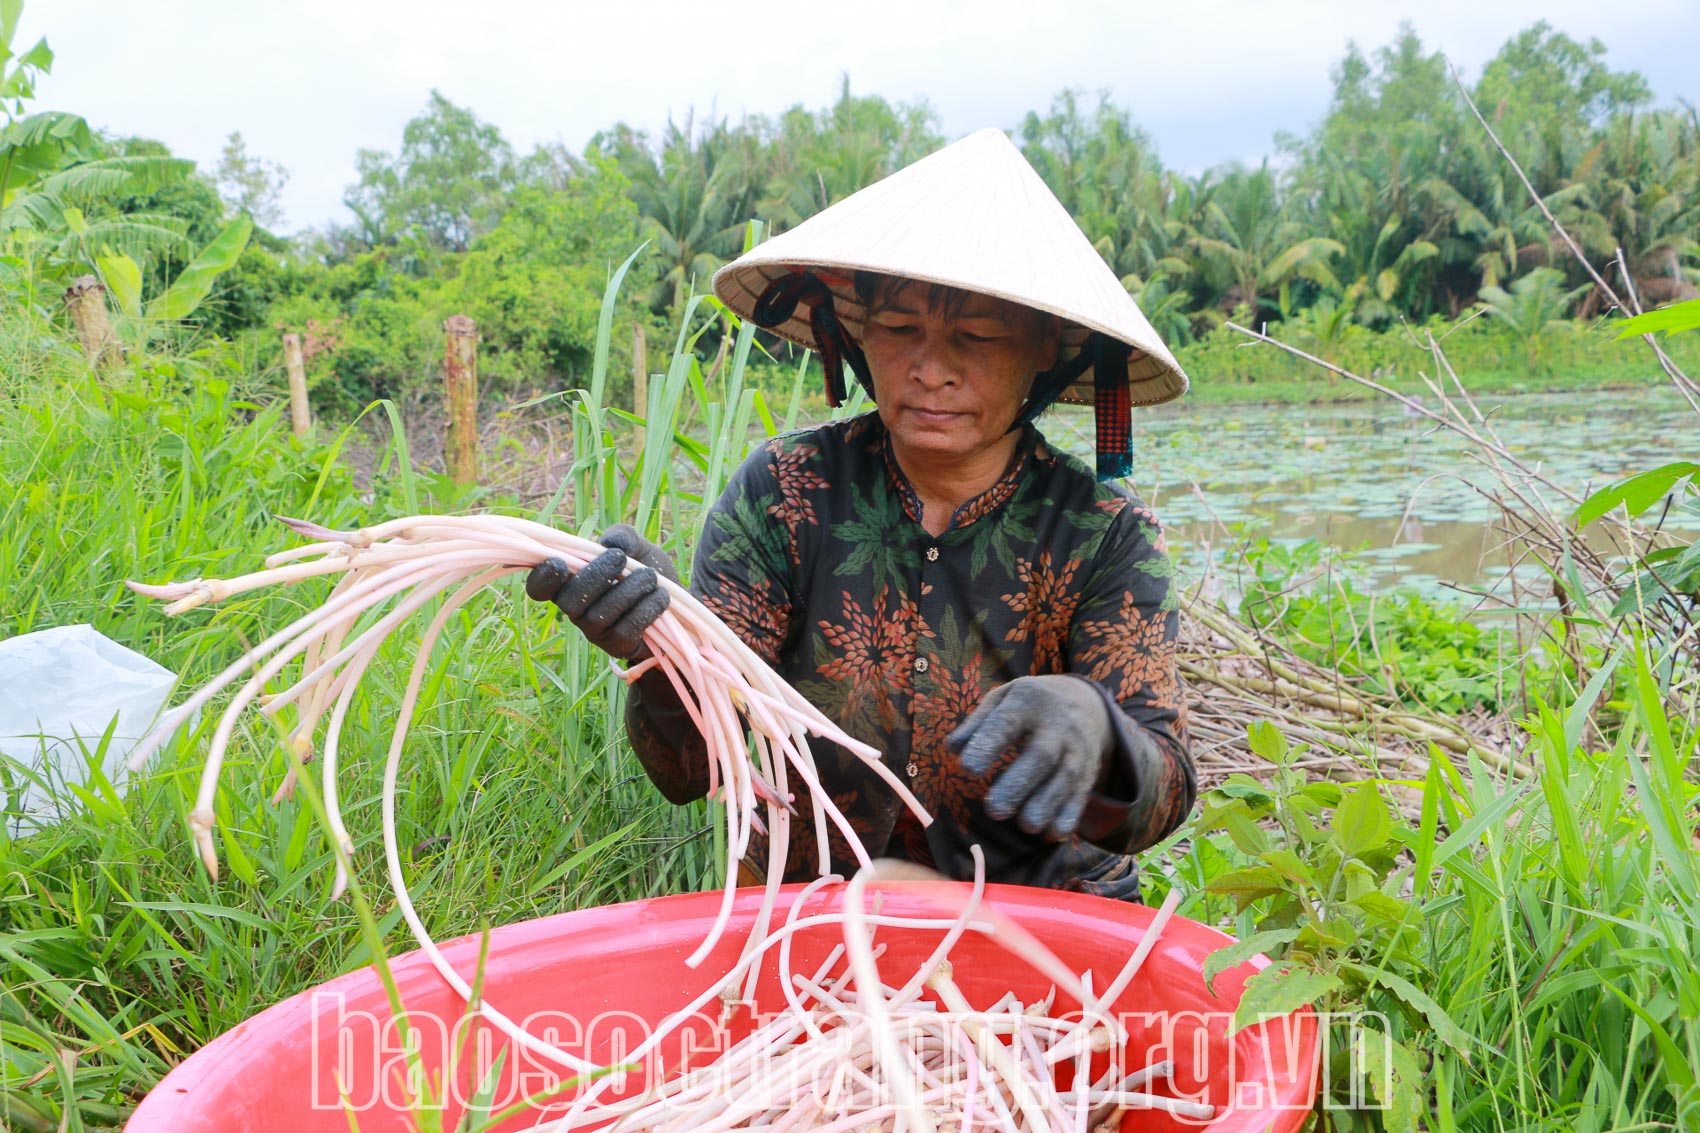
{"x":613,"y":612}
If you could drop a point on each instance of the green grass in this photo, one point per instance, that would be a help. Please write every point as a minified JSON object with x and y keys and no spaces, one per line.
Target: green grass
{"x":1552,"y":923}
{"x":114,"y":944}
{"x":1569,"y":945}
{"x":1228,"y":368}
{"x":1277,"y":388}
{"x":1529,"y":946}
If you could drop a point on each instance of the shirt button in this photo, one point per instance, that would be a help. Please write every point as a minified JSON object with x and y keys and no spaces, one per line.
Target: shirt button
{"x":920,"y":664}
{"x":932,"y":554}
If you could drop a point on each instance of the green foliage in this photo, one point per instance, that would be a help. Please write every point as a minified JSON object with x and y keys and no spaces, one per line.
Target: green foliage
{"x":115,"y":948}
{"x":1638,"y":493}
{"x":534,"y":284}
{"x":701,"y":183}
{"x":190,"y":289}
{"x":1667,"y":575}
{"x":446,"y":187}
{"x":814,"y":159}
{"x":1430,"y":213}
{"x":537,"y":279}
{"x":17,"y":79}
{"x":1401,"y":644}
{"x":1532,"y":309}
{"x":250,"y":184}
{"x":180,"y":204}
{"x":55,"y":182}
{"x":1106,"y":172}
{"x":72,"y":203}
{"x":1246,"y":246}
{"x":457,"y":224}
{"x":1669,"y":320}
{"x":1524,"y":949}
{"x":1574,"y":355}
{"x":1542,"y":77}
{"x":695,"y":197}
{"x":1321,"y":330}
{"x":1316,"y":866}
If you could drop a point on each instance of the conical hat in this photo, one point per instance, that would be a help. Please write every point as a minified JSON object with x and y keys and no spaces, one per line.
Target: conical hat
{"x":972,"y":215}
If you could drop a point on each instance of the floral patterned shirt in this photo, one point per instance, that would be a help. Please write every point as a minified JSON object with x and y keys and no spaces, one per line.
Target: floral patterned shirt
{"x":815,"y":555}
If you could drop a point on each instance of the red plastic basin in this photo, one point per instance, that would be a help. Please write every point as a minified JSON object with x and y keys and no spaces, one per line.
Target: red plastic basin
{"x":597,"y":979}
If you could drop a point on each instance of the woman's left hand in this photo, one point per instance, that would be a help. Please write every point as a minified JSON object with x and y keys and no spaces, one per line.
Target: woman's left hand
{"x":1061,"y":728}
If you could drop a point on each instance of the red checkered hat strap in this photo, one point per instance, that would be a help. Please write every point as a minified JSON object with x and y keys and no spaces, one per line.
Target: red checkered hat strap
{"x":1112,"y":406}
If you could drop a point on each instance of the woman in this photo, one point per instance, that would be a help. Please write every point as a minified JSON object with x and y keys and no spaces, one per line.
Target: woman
{"x":933,"y":575}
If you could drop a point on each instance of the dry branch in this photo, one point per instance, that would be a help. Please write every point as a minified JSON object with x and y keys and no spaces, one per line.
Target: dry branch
{"x":1236,"y":674}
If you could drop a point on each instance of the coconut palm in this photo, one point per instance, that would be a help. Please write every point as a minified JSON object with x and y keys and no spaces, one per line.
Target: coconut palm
{"x":1639,"y":190}
{"x":694,"y":196}
{"x":1248,"y":246}
{"x":1106,"y":172}
{"x":1164,"y":305}
{"x":1373,"y":207}
{"x":1484,"y":226}
{"x":1536,"y":304}
{"x":814,"y":160}
{"x":1321,"y":329}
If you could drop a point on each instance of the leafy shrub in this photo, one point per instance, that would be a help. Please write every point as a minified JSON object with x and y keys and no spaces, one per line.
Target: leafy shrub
{"x":1403,"y":644}
{"x":533,"y":284}
{"x":1495,"y":954}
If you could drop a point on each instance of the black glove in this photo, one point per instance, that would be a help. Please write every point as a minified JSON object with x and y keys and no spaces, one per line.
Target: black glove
{"x":611,"y":611}
{"x":1062,"y":729}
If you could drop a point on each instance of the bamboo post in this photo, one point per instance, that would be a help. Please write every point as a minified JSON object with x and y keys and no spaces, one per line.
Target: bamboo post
{"x":460,"y":377}
{"x":86,"y":299}
{"x":300,"y":417}
{"x":640,"y":380}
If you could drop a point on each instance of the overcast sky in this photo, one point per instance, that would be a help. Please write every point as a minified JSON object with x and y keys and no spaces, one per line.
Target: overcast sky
{"x":310,"y":82}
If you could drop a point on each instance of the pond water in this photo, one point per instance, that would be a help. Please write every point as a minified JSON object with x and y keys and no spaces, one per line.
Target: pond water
{"x":1376,"y":479}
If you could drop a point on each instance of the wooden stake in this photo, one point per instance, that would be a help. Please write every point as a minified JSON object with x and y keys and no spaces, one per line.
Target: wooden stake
{"x":86,"y":299}
{"x":300,"y":417}
{"x":460,"y":377}
{"x":640,"y":380}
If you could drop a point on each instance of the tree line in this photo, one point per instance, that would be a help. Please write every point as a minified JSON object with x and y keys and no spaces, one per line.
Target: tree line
{"x":1396,"y":206}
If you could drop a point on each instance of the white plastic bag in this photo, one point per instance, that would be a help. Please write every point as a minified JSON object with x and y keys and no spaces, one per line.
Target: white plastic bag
{"x":59,"y":690}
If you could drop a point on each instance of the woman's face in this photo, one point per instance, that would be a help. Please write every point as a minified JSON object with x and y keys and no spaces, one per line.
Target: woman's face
{"x":950,"y":380}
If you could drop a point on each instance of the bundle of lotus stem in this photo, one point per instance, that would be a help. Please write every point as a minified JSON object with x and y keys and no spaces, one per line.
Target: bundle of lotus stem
{"x":725,"y":688}
{"x":849,"y":1051}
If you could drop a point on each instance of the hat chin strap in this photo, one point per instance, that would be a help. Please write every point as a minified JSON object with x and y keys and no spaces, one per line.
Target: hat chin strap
{"x":1050,"y":384}
{"x":1112,"y":404}
{"x":1112,"y":407}
{"x":779,"y":302}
